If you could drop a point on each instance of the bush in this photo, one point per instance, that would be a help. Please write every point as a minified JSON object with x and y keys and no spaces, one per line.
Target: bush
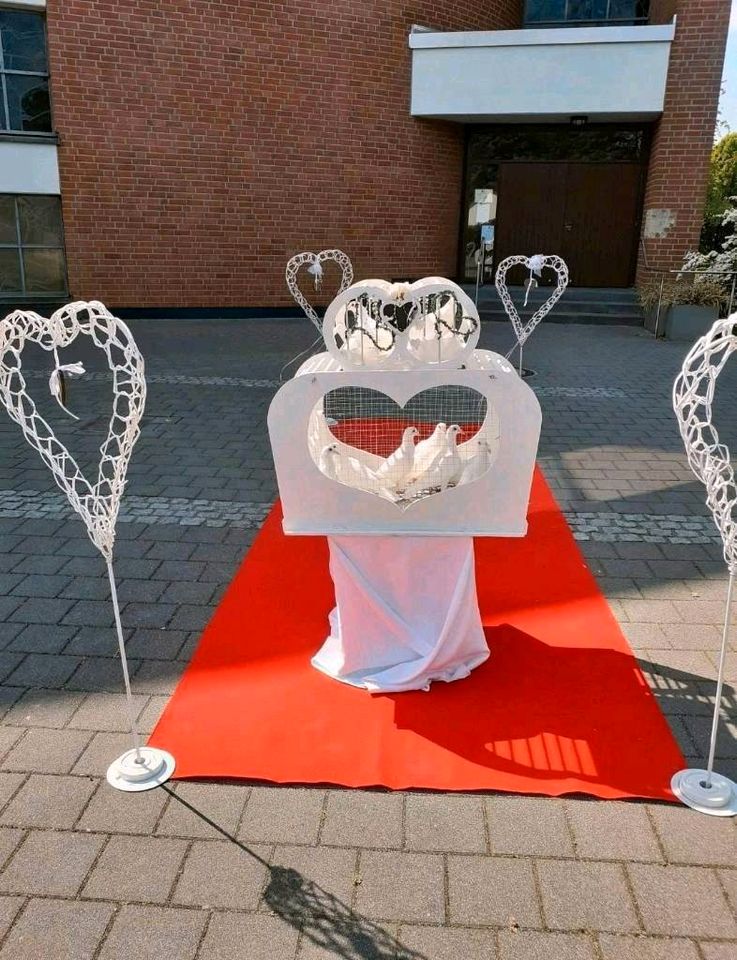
{"x":677,"y":291}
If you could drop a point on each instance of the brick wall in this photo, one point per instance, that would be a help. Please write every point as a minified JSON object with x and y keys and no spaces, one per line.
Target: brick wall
{"x":676,"y":185}
{"x":203,"y":143}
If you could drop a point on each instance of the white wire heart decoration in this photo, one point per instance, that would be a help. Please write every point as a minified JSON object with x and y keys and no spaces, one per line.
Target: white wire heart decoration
{"x":708,"y":457}
{"x":315,"y":261}
{"x":535,"y":265}
{"x":97,"y":504}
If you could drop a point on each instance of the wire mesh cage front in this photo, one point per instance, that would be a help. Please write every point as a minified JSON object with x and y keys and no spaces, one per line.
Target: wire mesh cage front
{"x":444,"y":437}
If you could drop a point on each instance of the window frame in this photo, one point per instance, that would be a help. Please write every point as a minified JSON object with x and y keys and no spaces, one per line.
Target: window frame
{"x":592,"y":22}
{"x":19,"y":246}
{"x":4,"y":72}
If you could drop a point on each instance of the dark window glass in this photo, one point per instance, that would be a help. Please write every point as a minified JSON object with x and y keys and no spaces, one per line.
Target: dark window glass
{"x":24,"y":41}
{"x":24,"y":82}
{"x":40,"y":221}
{"x":581,"y":12}
{"x":31,"y":246}
{"x":45,"y":270}
{"x":28,"y":102}
{"x":8,"y":229}
{"x":9,"y":271}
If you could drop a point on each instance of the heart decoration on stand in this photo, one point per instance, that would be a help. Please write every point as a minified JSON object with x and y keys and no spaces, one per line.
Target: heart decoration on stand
{"x":708,"y":457}
{"x":535,"y":265}
{"x":693,"y":399}
{"x":315,"y":261}
{"x":96,"y":503}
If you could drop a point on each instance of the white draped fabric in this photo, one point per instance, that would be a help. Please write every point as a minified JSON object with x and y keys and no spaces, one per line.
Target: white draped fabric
{"x":406,"y":612}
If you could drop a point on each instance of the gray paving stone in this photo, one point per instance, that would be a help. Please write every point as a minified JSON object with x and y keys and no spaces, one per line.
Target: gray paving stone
{"x":719,"y":951}
{"x":158,"y":676}
{"x":151,"y":713}
{"x":137,"y":869}
{"x":48,"y":801}
{"x":51,"y":864}
{"x":528,"y":826}
{"x":9,"y":661}
{"x":9,"y":736}
{"x":191,"y":617}
{"x":178,"y":571}
{"x":282,"y":815}
{"x":105,"y":711}
{"x":114,"y":811}
{"x":102,"y":749}
{"x":496,"y":891}
{"x":445,"y":823}
{"x":613,"y":831}
{"x":87,"y":588}
{"x":90,"y":613}
{"x":44,"y":670}
{"x":189,"y":592}
{"x":42,"y":638}
{"x":443,"y":943}
{"x":155,"y":644}
{"x":646,"y":948}
{"x":9,"y":784}
{"x":590,"y":896}
{"x":9,"y":840}
{"x":140,"y":591}
{"x":151,"y":933}
{"x":401,"y":886}
{"x":682,"y":901}
{"x":9,"y":907}
{"x":38,"y":610}
{"x":268,"y":938}
{"x":157,"y":615}
{"x":728,"y":879}
{"x":221,"y":803}
{"x":96,"y":674}
{"x":712,"y":840}
{"x":362,"y":818}
{"x":58,"y":930}
{"x":220,"y":874}
{"x":39,"y":585}
{"x":47,"y":751}
{"x":528,"y":945}
{"x":332,"y":870}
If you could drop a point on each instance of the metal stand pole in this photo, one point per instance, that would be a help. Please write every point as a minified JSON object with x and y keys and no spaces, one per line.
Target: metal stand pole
{"x":660,"y":301}
{"x":478,"y":274}
{"x":704,"y":790}
{"x":520,"y":360}
{"x":141,"y":768}
{"x":731,"y":294}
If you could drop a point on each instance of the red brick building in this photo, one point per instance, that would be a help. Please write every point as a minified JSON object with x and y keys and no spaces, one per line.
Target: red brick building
{"x":175,"y":153}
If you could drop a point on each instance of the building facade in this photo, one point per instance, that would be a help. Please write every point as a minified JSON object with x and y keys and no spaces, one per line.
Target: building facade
{"x":173,"y":154}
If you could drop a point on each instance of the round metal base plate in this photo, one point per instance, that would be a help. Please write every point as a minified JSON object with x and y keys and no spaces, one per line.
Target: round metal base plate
{"x":133,"y":775}
{"x":718,"y":800}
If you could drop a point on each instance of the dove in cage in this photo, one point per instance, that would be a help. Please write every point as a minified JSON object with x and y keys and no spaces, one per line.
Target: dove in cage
{"x":401,"y":442}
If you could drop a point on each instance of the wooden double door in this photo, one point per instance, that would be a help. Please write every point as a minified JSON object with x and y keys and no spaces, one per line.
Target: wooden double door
{"x":587,"y":213}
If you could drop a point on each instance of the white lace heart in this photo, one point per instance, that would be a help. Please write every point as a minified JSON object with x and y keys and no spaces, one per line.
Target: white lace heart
{"x":97,"y":504}
{"x":708,"y":457}
{"x":316,"y":261}
{"x":534,"y":264}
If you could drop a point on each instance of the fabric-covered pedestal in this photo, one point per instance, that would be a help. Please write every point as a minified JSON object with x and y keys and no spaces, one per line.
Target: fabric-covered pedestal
{"x":406,"y":612}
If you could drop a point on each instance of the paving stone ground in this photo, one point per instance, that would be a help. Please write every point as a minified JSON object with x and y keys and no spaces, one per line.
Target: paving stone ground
{"x":223,"y":872}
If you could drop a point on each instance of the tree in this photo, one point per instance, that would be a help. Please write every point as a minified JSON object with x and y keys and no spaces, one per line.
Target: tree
{"x":722,"y":185}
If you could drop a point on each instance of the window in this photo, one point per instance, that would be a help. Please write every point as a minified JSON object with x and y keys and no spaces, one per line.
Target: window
{"x":24,"y":74}
{"x":31,"y":247}
{"x":585,"y":12}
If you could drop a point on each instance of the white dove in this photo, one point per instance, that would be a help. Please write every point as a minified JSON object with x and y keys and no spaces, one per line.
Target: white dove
{"x":477,"y":465}
{"x":445,"y":471}
{"x":427,"y":451}
{"x":399,"y":465}
{"x":346,"y":469}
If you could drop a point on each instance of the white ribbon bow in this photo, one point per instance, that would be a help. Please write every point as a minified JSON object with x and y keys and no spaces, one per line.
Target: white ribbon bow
{"x":536,"y":268}
{"x":74,"y":370}
{"x":316,"y":270}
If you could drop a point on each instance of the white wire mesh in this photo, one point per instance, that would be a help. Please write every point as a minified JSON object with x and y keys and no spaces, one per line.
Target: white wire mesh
{"x":315,"y":262}
{"x":96,"y":503}
{"x":534,"y":264}
{"x":381,"y":326}
{"x":709,"y":458}
{"x":444,"y":437}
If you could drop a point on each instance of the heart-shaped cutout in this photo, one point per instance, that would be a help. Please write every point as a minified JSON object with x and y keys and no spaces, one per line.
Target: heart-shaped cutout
{"x":693,"y":399}
{"x":535,"y":265}
{"x":96,"y":503}
{"x":383,"y":326}
{"x":314,"y":262}
{"x":442,"y":438}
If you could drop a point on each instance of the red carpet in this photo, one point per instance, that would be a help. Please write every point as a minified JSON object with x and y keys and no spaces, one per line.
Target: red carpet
{"x":559,"y":707}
